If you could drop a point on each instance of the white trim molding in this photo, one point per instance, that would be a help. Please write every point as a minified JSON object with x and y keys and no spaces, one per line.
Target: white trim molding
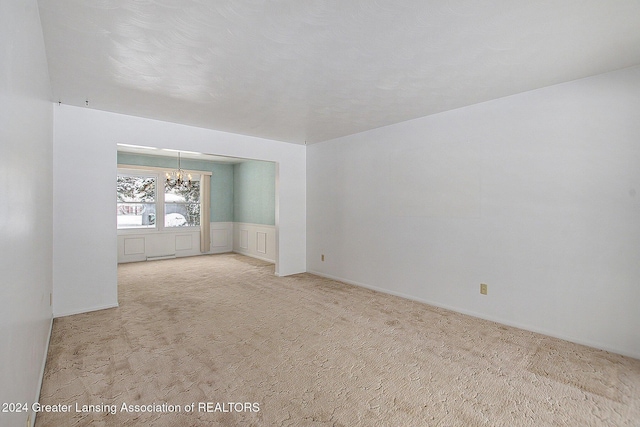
{"x":172,"y":243}
{"x":178,"y":242}
{"x":255,"y":240}
{"x":84,"y":310}
{"x":41,"y":376}
{"x":161,"y":171}
{"x":221,"y":237}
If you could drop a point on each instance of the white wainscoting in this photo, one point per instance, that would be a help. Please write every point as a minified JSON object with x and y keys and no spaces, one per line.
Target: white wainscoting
{"x":139,"y":246}
{"x":255,"y":240}
{"x":221,"y":237}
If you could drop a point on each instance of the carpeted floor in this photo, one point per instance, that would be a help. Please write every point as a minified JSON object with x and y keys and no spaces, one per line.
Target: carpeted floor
{"x":307,"y":351}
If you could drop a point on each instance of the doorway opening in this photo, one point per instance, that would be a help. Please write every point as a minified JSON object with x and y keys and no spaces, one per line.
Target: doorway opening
{"x":158,"y":219}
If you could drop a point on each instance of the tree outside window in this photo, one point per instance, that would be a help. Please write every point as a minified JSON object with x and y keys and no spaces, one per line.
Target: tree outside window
{"x":139,"y":202}
{"x":136,"y":202}
{"x":182,"y":205}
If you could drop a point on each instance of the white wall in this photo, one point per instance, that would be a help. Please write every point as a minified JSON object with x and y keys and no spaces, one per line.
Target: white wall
{"x":537,"y":195}
{"x":85,"y":146}
{"x":26,"y":126}
{"x":84,"y":238}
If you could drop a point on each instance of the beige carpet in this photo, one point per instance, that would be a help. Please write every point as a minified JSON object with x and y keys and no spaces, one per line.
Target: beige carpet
{"x":307,"y":351}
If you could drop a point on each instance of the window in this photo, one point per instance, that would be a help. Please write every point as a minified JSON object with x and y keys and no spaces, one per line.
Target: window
{"x":136,"y":201}
{"x":140,"y":201}
{"x":182,"y":205}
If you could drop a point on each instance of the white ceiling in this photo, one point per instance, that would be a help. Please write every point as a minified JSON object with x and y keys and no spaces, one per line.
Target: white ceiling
{"x":313,"y":70}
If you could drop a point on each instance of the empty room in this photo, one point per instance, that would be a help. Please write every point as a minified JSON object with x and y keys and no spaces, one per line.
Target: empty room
{"x":322,"y":213}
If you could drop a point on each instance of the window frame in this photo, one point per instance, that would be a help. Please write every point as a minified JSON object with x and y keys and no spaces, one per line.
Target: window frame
{"x":165,"y":203}
{"x":139,"y":174}
{"x":160,"y":175}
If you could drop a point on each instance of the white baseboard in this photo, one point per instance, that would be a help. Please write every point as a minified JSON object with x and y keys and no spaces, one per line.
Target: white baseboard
{"x":482,"y":316}
{"x":255,"y":256}
{"x":86,"y":310}
{"x":42,"y":368}
{"x":219,"y":251}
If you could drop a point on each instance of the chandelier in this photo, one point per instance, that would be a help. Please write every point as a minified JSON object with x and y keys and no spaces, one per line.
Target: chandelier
{"x":178,"y":178}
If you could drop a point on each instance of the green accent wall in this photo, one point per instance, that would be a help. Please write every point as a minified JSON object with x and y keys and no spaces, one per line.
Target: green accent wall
{"x":240,"y":192}
{"x":254,"y":192}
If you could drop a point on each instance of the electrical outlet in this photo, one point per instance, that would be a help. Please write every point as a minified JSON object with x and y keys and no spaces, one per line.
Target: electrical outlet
{"x":322,"y":256}
{"x":483,"y":289}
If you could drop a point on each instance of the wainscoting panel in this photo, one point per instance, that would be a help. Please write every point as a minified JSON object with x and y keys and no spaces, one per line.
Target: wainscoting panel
{"x":221,"y":237}
{"x":244,"y":238}
{"x":184,"y":242}
{"x":134,"y":246}
{"x":255,"y":240}
{"x":261,"y":245}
